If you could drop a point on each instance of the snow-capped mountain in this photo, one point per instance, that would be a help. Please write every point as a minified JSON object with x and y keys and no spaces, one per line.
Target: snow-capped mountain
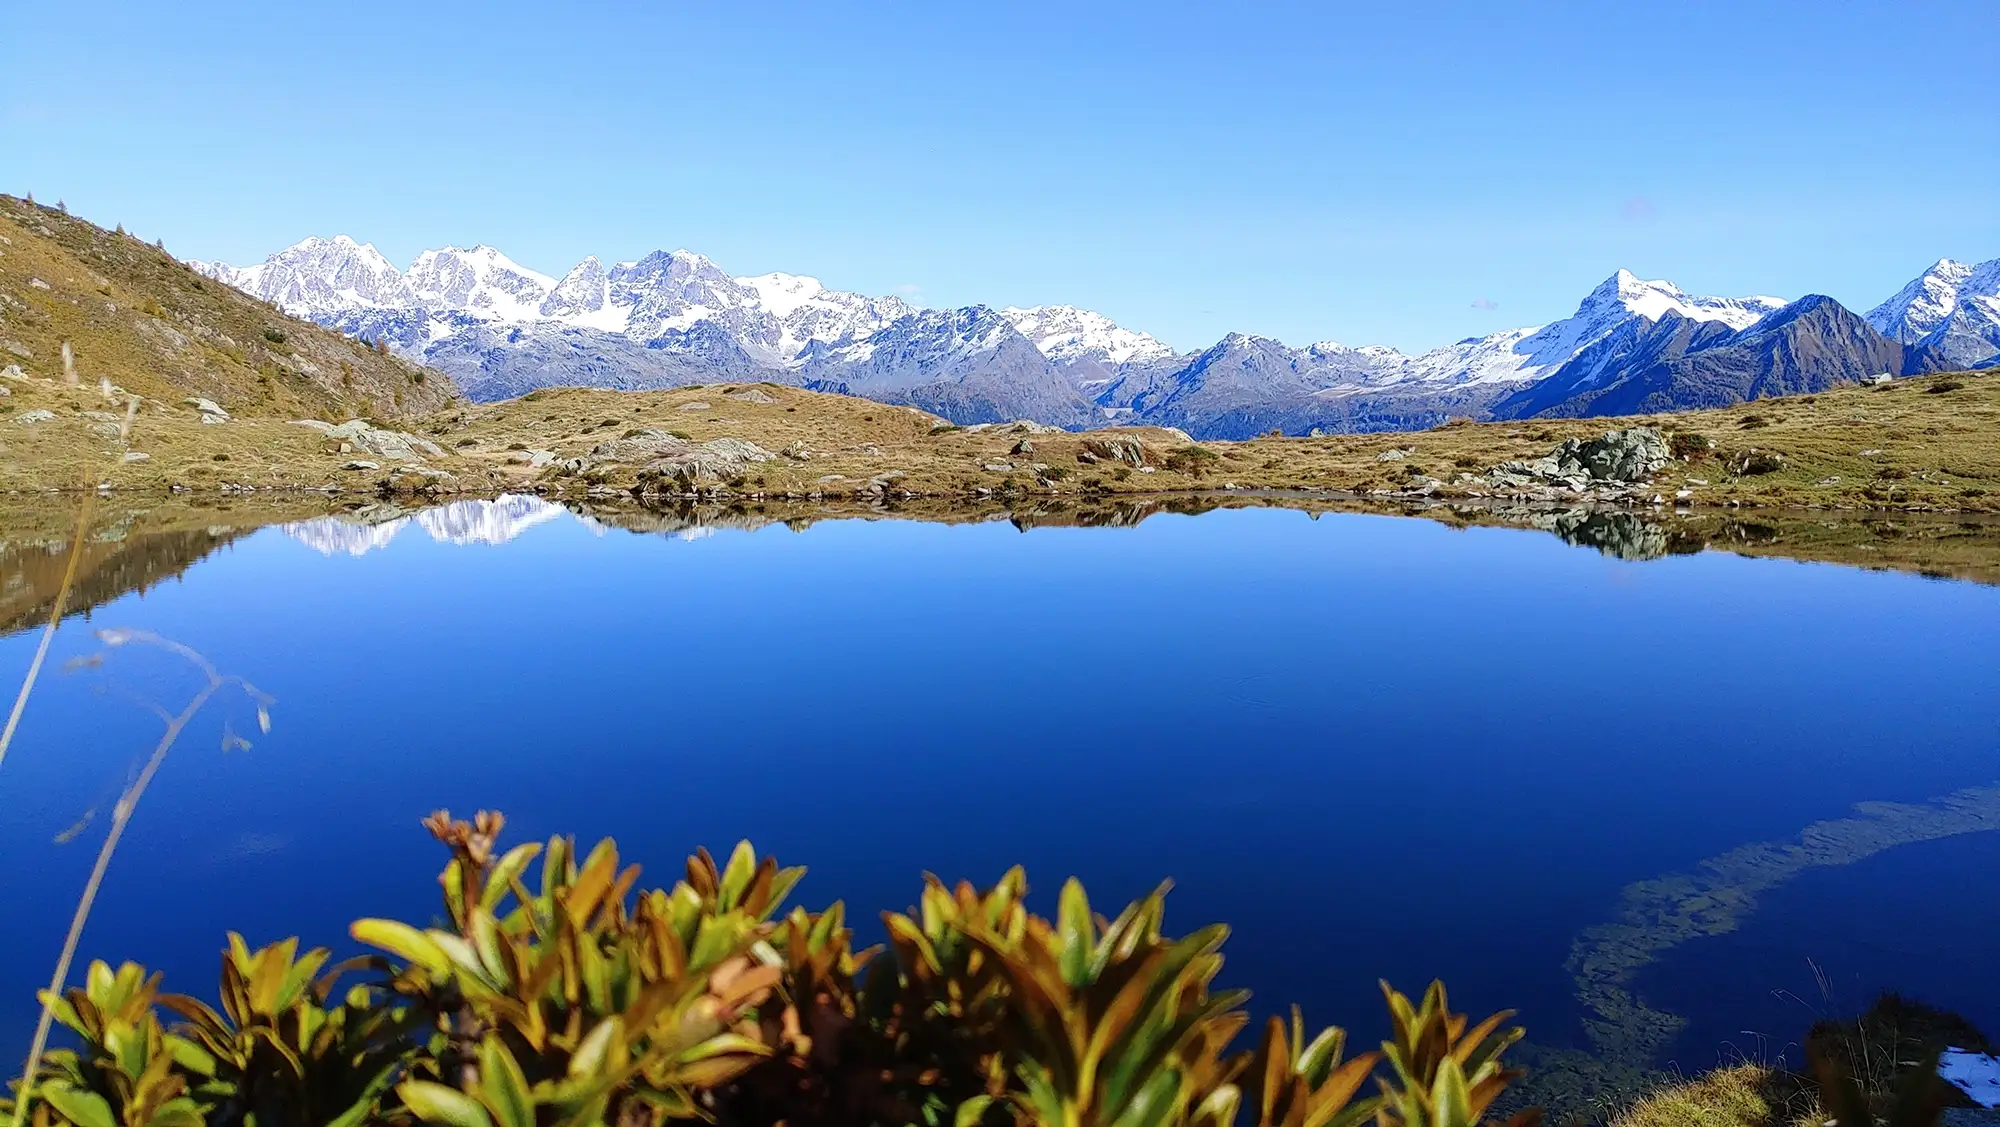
{"x":1247,"y":385}
{"x":1067,"y":334}
{"x":1951,"y":308}
{"x":341,"y":282}
{"x":1519,"y":355}
{"x":480,"y":281}
{"x":675,"y":317}
{"x":969,"y":365}
{"x":320,"y":278}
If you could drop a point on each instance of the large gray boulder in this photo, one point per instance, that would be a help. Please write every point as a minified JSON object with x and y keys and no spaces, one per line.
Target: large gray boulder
{"x":1618,"y":457}
{"x":679,"y":466}
{"x":1115,"y":448}
{"x":394,"y":445}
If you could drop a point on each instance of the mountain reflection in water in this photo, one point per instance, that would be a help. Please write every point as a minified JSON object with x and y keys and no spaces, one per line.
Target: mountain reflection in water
{"x":130,"y":549}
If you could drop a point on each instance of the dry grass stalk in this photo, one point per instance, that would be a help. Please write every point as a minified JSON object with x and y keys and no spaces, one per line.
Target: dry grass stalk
{"x":121,"y":816}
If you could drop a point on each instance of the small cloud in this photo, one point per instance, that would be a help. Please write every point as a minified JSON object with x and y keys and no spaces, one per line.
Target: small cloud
{"x":1485,"y":303}
{"x":909,"y":289}
{"x":1636,"y":208}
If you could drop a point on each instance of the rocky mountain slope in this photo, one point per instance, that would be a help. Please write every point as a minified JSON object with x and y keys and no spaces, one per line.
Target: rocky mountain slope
{"x":136,"y":316}
{"x":1952,"y":309}
{"x":1676,"y":363}
{"x":675,"y":318}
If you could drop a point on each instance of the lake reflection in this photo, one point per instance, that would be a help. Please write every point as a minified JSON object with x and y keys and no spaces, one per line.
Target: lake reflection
{"x":1376,"y":746}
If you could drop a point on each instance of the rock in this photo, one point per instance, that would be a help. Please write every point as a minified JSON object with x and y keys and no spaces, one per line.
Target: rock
{"x":1754,"y":461}
{"x":211,"y":420}
{"x":209,"y":409}
{"x":361,"y":464}
{"x":38,"y":283}
{"x":1116,"y":448}
{"x":13,"y":372}
{"x":1018,"y":426}
{"x":1087,"y":458}
{"x":750,"y":395}
{"x":685,"y":467}
{"x":358,"y":434}
{"x":136,"y":456}
{"x":106,"y":430}
{"x":5,"y":392}
{"x":797,"y":451}
{"x":1392,"y":455}
{"x":1618,"y":457}
{"x":697,"y":405}
{"x":1023,"y":447}
{"x":419,"y":479}
{"x":1870,"y":453}
{"x":997,"y":467}
{"x":38,"y":415}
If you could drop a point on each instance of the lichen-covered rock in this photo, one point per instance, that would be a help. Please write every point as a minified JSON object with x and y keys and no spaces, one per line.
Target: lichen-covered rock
{"x":1116,"y":448}
{"x":1618,"y":457}
{"x":679,"y":466}
{"x":359,"y":434}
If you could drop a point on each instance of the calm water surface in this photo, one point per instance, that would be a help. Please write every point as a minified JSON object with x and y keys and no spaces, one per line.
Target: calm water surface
{"x":1377,"y":747}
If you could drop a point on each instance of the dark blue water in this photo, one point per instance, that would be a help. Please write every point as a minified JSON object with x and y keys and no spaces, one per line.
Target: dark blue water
{"x":1377,"y":747}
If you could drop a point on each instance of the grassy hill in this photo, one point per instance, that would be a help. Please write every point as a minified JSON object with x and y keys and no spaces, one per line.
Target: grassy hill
{"x":147,"y":322}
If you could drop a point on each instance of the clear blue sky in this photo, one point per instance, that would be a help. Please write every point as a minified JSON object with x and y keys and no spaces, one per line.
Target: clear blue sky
{"x":1401,"y":173}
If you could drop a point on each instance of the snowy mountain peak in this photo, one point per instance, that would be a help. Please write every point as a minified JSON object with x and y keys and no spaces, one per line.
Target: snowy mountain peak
{"x":782,"y":294}
{"x":582,"y":297}
{"x":1626,"y":293}
{"x":316,"y":277}
{"x":479,"y":280}
{"x":1069,"y":334}
{"x":1920,"y":307}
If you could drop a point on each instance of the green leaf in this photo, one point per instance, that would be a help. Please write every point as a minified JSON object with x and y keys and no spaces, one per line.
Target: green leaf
{"x":594,"y":1054}
{"x":1451,"y":1104}
{"x":435,"y":1103}
{"x":504,"y":1086}
{"x":85,"y":1109}
{"x":1154,"y":1103}
{"x":402,"y":940}
{"x":737,"y":874}
{"x":1074,"y":926}
{"x":510,"y":866}
{"x":972,"y":1111}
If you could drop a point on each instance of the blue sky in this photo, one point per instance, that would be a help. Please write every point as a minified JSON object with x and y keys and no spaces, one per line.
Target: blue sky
{"x":1403,"y":173}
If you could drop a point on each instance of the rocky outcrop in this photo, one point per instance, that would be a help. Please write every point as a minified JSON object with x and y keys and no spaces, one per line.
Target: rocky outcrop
{"x":361,"y":435}
{"x":1617,"y":458}
{"x":1115,"y":448}
{"x":669,"y":464}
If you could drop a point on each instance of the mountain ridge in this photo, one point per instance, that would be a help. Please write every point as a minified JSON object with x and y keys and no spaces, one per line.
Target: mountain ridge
{"x":672,"y":318}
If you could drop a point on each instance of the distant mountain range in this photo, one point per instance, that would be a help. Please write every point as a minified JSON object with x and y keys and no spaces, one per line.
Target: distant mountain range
{"x":676,"y":318}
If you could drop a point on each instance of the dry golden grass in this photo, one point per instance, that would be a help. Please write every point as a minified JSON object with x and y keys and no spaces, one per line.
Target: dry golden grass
{"x":151,"y":325}
{"x":1726,"y":1097}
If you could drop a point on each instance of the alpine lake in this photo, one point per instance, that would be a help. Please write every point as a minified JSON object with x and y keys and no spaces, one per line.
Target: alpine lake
{"x":1671,"y":785}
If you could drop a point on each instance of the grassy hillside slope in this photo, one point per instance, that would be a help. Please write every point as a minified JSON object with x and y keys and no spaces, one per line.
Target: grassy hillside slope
{"x":136,"y":316}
